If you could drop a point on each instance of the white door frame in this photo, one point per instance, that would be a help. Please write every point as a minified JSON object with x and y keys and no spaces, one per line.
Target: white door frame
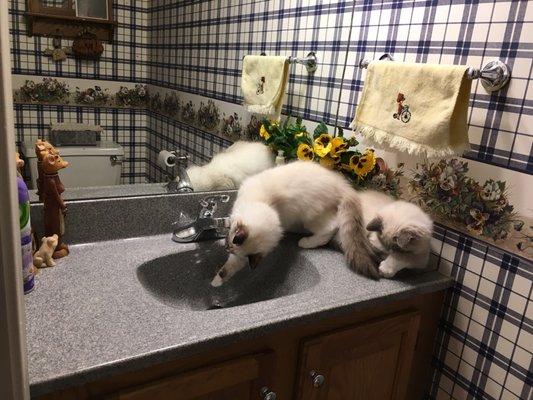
{"x":14,"y":383}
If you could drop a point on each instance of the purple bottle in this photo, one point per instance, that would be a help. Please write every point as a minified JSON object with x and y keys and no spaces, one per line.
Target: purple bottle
{"x":25,"y":236}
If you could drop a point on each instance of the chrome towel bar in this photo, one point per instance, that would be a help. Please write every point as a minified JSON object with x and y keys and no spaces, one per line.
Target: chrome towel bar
{"x":310,"y":62}
{"x":494,"y":75}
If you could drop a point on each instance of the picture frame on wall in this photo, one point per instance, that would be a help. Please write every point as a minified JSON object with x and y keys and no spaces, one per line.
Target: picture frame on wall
{"x":97,"y":9}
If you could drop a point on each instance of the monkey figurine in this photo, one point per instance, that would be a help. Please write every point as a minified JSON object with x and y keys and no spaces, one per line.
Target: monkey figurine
{"x":54,"y":206}
{"x":42,"y":147}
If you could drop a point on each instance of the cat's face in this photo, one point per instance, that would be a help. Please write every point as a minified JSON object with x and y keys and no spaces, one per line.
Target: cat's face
{"x":240,"y":243}
{"x":404,"y":239}
{"x":402,"y":226}
{"x":254,"y":233}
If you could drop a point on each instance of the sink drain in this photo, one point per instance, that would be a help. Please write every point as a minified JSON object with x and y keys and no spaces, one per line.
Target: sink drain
{"x":215,"y":306}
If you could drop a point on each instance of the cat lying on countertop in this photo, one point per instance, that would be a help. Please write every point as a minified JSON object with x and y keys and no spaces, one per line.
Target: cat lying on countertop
{"x":304,"y":195}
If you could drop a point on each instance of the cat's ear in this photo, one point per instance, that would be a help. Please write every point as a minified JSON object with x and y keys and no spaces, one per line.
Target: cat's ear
{"x":254,"y":260}
{"x":241,"y":233}
{"x":376,"y":225}
{"x":405,"y":237}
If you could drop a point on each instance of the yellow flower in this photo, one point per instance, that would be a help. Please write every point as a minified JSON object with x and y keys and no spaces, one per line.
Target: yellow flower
{"x":338,"y":146}
{"x":304,"y":152}
{"x":264,"y":133}
{"x":363,"y":164}
{"x":327,"y":162}
{"x":323,"y":145}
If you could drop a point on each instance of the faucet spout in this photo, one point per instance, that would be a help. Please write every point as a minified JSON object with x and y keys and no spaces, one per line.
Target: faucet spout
{"x":206,"y":226}
{"x":182,"y":183}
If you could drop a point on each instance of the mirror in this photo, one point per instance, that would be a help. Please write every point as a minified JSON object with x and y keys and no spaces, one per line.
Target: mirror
{"x":91,"y":9}
{"x":152,"y":115}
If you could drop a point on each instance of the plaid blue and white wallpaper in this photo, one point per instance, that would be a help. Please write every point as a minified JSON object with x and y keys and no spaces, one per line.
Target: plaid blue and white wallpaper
{"x":198,"y":48}
{"x":484,"y":347}
{"x":125,"y":59}
{"x":485,"y":343}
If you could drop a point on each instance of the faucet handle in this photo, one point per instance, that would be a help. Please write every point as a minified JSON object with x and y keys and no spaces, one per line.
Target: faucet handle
{"x":209,"y":204}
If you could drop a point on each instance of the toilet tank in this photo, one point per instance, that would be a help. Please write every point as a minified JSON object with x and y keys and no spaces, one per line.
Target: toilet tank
{"x":99,"y":165}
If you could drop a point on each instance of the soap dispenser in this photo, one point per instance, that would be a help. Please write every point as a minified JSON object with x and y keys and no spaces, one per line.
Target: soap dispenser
{"x":280,"y":158}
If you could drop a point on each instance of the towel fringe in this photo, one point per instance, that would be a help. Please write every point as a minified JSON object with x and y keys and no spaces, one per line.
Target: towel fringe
{"x":398,"y":143}
{"x":265,"y":109}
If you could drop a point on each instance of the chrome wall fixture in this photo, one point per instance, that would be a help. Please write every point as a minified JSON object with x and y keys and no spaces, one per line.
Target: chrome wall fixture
{"x":310,"y":62}
{"x":494,"y":75}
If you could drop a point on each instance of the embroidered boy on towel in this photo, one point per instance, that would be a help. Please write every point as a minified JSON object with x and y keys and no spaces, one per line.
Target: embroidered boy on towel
{"x":264,"y":80}
{"x":416,"y":108}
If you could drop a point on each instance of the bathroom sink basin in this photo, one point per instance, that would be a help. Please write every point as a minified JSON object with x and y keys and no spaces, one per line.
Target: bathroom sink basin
{"x":182,"y":279}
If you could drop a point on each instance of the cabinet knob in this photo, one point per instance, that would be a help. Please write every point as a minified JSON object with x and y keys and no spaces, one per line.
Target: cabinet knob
{"x":317,"y":379}
{"x":267,"y":394}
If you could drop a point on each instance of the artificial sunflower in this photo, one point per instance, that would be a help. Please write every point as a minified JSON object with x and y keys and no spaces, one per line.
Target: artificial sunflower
{"x":264,"y":133}
{"x":305,"y":152}
{"x":323,"y":145}
{"x":338,"y":146}
{"x":364,"y":163}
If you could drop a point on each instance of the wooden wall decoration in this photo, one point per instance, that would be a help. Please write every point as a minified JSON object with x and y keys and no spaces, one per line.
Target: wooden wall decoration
{"x":58,"y":18}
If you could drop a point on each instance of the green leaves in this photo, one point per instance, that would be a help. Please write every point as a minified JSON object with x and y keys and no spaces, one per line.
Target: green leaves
{"x":320,"y":129}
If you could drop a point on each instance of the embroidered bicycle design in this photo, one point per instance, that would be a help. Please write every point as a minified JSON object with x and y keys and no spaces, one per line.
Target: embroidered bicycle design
{"x":260,"y":86}
{"x":403,"y":113}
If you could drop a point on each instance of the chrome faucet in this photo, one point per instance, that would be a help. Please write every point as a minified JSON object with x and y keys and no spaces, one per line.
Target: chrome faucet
{"x":183,"y":185}
{"x":206,"y":226}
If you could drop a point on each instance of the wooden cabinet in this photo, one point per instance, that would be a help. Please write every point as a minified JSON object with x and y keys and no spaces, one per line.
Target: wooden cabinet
{"x":378,"y":353}
{"x":239,"y":379}
{"x":370,"y":361}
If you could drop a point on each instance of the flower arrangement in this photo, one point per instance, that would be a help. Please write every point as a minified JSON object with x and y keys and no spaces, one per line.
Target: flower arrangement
{"x":135,"y":96}
{"x":231,"y":126}
{"x":49,"y":90}
{"x":335,"y":152}
{"x":188,"y":113}
{"x":154,"y":102}
{"x":95,"y":96}
{"x":208,"y":115}
{"x":171,"y":104}
{"x":251,"y":132}
{"x":445,"y":189}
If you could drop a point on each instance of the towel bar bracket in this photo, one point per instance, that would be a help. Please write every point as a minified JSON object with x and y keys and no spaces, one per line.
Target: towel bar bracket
{"x":310,"y":62}
{"x":494,"y":75}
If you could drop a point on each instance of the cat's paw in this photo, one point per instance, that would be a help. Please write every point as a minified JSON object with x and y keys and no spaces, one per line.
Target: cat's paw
{"x":386,"y":270}
{"x":217,"y":281}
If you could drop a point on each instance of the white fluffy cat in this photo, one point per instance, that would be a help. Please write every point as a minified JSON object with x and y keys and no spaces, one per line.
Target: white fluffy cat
{"x":229,"y":168}
{"x":399,"y":229}
{"x":292,"y":197}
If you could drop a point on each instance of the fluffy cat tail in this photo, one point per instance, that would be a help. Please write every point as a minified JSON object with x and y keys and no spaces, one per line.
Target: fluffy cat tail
{"x":353,"y":237}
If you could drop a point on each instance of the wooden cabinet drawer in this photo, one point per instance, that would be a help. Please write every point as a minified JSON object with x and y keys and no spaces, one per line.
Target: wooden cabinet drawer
{"x":238,"y":379}
{"x":370,"y":361}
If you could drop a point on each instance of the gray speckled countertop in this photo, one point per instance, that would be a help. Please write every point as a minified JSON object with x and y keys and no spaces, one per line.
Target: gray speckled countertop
{"x":105,"y":192}
{"x":91,"y":317}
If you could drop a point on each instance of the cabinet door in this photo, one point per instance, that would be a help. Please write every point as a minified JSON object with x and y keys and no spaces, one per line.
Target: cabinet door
{"x":370,"y":361}
{"x":239,"y":379}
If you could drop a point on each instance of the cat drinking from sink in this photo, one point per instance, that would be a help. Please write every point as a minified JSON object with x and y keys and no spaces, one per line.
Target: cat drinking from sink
{"x":304,"y":196}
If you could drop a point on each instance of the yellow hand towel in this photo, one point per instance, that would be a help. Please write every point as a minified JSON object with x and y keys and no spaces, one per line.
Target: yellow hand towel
{"x":416,"y":108}
{"x":264,"y":80}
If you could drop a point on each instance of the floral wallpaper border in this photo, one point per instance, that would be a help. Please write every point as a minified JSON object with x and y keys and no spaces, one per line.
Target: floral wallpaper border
{"x":205,"y":115}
